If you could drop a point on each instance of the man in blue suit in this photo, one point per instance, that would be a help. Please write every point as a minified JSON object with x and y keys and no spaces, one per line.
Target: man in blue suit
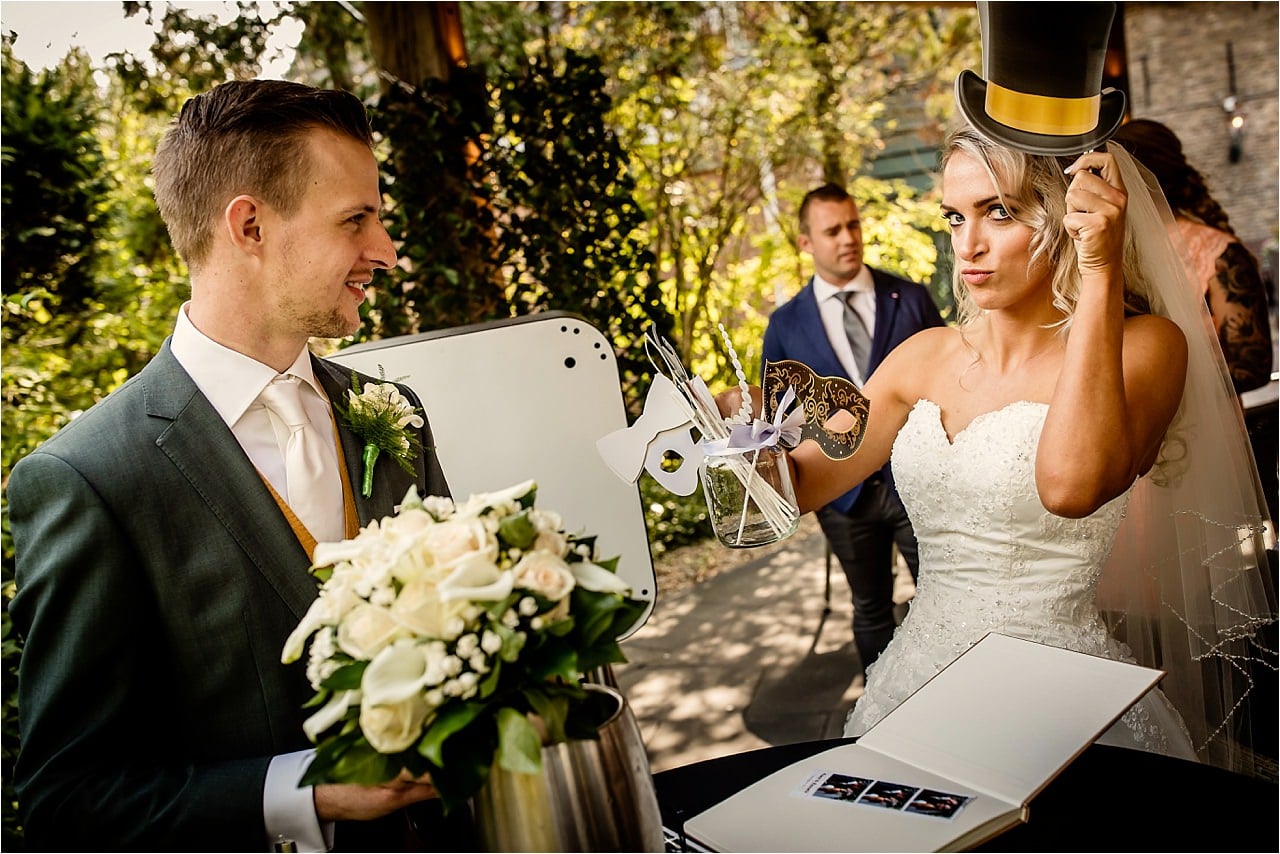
{"x":843,"y":323}
{"x":162,"y":537}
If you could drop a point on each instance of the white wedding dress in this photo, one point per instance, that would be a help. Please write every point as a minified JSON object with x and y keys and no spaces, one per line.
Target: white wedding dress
{"x":993,"y":559}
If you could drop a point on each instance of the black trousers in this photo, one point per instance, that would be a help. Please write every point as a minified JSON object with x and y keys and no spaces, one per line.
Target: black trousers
{"x":863,"y":539}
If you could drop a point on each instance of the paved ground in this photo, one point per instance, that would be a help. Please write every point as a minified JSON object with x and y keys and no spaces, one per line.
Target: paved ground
{"x":746,"y":659}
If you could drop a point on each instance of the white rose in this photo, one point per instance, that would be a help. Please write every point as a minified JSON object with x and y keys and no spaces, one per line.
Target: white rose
{"x":366,"y":630}
{"x":477,"y":579}
{"x":450,"y":542}
{"x":554,"y":542}
{"x":407,"y":556}
{"x":420,"y":609}
{"x":393,"y":727}
{"x":545,"y":574}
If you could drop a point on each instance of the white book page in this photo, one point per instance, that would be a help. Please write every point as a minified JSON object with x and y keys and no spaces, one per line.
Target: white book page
{"x":1009,"y":714}
{"x":774,"y":815}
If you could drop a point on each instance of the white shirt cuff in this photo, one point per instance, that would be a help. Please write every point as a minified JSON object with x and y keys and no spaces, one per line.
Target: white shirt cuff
{"x":290,"y":810}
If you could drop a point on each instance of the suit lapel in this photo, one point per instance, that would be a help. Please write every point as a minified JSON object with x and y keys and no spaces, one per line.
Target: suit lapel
{"x":888,"y":300}
{"x":203,"y":448}
{"x":821,"y":356}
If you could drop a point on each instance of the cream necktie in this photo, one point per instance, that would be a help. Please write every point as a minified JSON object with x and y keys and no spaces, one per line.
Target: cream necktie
{"x":312,"y":489}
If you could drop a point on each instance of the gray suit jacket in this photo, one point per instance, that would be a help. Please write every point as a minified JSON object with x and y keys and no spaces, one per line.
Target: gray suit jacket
{"x":157,"y":581}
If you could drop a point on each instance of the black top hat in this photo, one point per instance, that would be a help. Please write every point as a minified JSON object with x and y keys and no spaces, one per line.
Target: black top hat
{"x":1043,"y":68}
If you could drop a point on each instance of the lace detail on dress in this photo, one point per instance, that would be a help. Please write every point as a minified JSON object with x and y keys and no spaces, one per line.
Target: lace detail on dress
{"x":992,"y":558}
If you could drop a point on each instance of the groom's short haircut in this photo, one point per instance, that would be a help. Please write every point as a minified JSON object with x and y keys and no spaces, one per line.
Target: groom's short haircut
{"x":825,"y":193}
{"x":244,"y":136}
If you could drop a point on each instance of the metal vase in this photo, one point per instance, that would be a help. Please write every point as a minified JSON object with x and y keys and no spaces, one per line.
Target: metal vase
{"x":590,"y":796}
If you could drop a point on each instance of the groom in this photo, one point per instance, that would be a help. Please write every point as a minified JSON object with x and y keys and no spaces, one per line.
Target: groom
{"x":163,"y":537}
{"x":843,"y":322}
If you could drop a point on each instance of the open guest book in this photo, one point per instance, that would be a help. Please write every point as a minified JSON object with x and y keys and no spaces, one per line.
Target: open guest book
{"x":957,"y":763}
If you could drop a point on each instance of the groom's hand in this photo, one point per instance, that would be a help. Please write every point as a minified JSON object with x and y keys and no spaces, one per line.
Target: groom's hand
{"x":343,"y":802}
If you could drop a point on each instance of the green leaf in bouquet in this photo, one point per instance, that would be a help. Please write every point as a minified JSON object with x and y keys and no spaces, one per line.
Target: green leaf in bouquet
{"x":468,"y":760}
{"x":452,"y":717}
{"x":552,"y":708}
{"x":600,"y":655}
{"x":318,"y":699}
{"x":587,"y":540}
{"x":527,"y":500}
{"x":552,"y":659}
{"x":363,"y":765}
{"x":346,"y":678}
{"x":348,"y":758}
{"x":518,"y":531}
{"x":611,"y":564}
{"x":594,"y":612}
{"x":490,"y":682}
{"x":320,"y":769}
{"x":519,"y":745}
{"x":559,"y":628}
{"x":512,"y":642}
{"x":498,"y":607}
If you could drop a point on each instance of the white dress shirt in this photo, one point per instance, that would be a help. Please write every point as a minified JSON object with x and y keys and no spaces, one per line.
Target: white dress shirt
{"x":831,"y":305}
{"x":232,"y":382}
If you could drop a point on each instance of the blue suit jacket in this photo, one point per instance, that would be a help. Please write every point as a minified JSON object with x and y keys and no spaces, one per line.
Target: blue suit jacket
{"x":796,"y":332}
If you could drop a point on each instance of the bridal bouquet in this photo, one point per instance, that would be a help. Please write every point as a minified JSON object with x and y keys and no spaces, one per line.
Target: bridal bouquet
{"x":450,"y":636}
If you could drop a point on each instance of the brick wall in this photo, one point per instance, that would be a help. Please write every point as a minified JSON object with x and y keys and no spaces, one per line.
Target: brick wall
{"x":1179,"y":74}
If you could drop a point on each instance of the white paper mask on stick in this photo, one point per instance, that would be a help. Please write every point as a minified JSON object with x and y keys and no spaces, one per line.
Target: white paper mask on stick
{"x":664,"y":425}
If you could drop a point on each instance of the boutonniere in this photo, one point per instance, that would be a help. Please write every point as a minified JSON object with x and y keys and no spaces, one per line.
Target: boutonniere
{"x":381,"y":416}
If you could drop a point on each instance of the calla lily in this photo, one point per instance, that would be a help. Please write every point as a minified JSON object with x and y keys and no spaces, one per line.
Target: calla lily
{"x":395,"y":674}
{"x":479,"y":580}
{"x":598,"y":579}
{"x":330,"y":713}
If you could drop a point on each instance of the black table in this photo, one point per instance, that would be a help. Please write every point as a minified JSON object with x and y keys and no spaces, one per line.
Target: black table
{"x":1108,"y":799}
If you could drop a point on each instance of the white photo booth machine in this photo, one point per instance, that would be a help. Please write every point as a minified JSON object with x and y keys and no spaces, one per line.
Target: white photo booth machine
{"x":527,"y":399}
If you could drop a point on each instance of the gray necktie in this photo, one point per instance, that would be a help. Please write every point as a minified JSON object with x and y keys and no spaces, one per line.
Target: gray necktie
{"x":856,"y":328}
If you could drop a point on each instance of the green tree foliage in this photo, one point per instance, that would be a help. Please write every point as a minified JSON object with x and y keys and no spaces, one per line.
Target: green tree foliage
{"x":573,"y":232}
{"x":526,"y":167}
{"x":52,"y":170}
{"x":729,"y":112}
{"x":52,"y":184}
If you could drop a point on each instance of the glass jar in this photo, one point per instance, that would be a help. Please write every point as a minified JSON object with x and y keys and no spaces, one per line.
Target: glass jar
{"x":749,"y":496}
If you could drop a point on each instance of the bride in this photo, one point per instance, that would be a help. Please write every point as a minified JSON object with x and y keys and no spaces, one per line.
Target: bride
{"x":1070,"y":416}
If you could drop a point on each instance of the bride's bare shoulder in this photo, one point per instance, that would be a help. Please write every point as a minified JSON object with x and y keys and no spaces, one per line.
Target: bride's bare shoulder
{"x":930,"y":343}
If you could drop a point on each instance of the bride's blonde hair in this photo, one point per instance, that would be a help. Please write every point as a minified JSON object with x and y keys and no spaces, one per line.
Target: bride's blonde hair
{"x":1033,"y":189}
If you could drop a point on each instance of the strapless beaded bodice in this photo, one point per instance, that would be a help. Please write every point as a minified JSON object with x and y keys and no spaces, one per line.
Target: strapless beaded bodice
{"x":996,"y":559}
{"x":991,"y":557}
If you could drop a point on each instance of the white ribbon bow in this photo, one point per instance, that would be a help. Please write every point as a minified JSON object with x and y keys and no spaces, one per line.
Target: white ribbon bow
{"x":760,"y":434}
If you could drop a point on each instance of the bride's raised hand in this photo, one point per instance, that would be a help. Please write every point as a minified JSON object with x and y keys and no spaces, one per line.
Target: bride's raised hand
{"x":1096,"y":201}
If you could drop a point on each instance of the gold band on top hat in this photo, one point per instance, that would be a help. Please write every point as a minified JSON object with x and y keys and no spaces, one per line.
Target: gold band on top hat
{"x":1042,"y":113}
